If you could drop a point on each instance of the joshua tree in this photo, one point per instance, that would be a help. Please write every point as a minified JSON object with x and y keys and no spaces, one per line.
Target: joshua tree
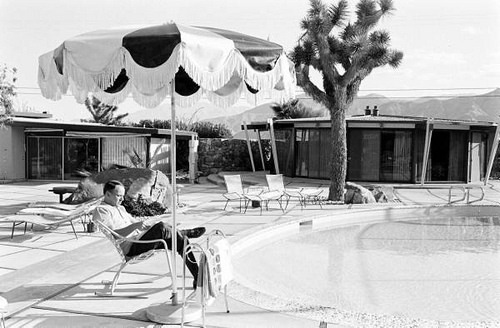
{"x":103,"y":113}
{"x":344,"y":53}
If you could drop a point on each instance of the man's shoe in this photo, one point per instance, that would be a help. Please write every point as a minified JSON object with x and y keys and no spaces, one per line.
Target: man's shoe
{"x":193,"y":233}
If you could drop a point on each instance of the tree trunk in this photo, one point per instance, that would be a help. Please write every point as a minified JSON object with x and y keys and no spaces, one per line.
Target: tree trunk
{"x":339,"y":148}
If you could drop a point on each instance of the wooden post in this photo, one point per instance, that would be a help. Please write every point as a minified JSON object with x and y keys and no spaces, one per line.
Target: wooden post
{"x":494,"y":148}
{"x":273,"y":145}
{"x":249,"y":145}
{"x":427,"y":144}
{"x":260,"y":151}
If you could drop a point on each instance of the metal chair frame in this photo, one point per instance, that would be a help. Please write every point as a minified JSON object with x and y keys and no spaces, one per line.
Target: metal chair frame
{"x":117,"y":239}
{"x":51,"y":216}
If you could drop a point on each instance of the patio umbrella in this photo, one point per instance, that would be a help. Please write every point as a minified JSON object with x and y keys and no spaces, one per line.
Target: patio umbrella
{"x":154,"y":62}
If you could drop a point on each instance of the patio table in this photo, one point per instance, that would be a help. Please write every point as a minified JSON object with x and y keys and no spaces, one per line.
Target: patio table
{"x":62,"y":190}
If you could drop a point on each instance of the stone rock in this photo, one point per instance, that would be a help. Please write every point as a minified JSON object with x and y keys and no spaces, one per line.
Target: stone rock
{"x":357,"y":194}
{"x":151,"y":184}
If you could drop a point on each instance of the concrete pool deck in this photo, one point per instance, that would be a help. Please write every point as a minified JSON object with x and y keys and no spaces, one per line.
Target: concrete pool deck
{"x":49,"y":278}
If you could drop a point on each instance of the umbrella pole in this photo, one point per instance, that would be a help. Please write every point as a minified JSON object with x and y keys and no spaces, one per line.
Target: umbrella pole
{"x":173,"y":161}
{"x":174,"y":313}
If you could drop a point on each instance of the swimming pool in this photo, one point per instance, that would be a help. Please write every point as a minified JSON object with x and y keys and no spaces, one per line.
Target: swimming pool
{"x":435,"y":265}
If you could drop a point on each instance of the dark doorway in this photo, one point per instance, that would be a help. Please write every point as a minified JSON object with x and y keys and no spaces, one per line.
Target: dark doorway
{"x":440,"y":155}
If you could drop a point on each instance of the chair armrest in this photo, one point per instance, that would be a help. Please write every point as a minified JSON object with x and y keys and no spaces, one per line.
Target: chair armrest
{"x":120,"y":239}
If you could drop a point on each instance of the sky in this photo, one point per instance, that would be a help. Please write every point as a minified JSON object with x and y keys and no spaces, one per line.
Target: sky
{"x":449,"y":46}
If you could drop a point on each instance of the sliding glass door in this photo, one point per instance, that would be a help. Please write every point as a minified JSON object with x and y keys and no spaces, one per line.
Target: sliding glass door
{"x":379,"y":155}
{"x":44,"y":158}
{"x":61,"y":158}
{"x":396,"y":148}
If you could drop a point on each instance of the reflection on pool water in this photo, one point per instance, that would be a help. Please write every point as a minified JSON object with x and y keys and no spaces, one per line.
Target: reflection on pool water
{"x":432,"y":269}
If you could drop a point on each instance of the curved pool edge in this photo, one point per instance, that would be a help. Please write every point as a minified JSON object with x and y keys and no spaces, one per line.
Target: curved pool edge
{"x":318,"y":220}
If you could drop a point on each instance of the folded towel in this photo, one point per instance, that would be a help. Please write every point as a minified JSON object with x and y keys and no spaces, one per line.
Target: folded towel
{"x":215,"y":269}
{"x":223,"y":249}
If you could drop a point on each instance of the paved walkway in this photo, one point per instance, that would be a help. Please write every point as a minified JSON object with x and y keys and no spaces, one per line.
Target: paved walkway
{"x":49,"y":277}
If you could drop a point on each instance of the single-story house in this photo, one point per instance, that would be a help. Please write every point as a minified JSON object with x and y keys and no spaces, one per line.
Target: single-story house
{"x":35,"y":147}
{"x":383,"y":148}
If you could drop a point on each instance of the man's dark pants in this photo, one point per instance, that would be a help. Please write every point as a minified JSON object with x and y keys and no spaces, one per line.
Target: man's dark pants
{"x":160,"y":231}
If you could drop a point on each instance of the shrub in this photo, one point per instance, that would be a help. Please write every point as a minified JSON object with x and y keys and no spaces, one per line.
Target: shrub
{"x":143,"y":207}
{"x":204,"y":129}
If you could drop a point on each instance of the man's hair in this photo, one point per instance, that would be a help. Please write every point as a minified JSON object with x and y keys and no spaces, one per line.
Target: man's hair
{"x":111,"y":185}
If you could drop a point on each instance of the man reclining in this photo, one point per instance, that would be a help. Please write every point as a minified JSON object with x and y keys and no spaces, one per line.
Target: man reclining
{"x":112,"y":214}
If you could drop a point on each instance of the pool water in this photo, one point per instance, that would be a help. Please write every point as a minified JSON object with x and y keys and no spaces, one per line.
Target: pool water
{"x":445,"y":269}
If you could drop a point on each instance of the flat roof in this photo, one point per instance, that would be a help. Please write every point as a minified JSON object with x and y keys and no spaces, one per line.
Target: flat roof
{"x":41,"y":124}
{"x":370,"y":119}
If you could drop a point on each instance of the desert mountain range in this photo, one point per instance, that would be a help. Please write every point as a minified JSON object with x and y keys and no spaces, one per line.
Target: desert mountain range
{"x":484,"y":107}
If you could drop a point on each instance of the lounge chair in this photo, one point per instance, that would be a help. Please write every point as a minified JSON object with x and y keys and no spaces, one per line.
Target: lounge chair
{"x":117,"y":239}
{"x":275,"y":183}
{"x":234,"y":190}
{"x":51,"y":215}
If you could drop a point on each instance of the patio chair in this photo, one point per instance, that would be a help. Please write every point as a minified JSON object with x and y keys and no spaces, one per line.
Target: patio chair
{"x":117,"y":239}
{"x":303,"y":195}
{"x":234,"y":189}
{"x":51,"y":215}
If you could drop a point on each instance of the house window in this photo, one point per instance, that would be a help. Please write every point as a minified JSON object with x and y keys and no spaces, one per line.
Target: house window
{"x":44,"y":158}
{"x":302,"y":152}
{"x":313,"y":152}
{"x":81,"y":155}
{"x":379,"y":155}
{"x":124,"y":151}
{"x":363,"y":158}
{"x":395,"y":161}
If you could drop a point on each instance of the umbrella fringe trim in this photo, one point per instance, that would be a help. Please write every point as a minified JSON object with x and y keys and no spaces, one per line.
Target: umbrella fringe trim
{"x":188,"y":101}
{"x":151,"y":100}
{"x":214,"y":80}
{"x":225,"y":101}
{"x":52,"y":84}
{"x":266,"y":80}
{"x":114,"y":98}
{"x":93,"y":81}
{"x":151,"y":79}
{"x":150,"y":86}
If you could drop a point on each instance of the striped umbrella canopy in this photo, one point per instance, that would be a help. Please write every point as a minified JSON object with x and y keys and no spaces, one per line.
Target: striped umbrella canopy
{"x":221,"y":65}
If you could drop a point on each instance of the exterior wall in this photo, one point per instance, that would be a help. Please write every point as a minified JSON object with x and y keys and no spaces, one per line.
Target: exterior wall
{"x":452,"y":157}
{"x":12,"y":155}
